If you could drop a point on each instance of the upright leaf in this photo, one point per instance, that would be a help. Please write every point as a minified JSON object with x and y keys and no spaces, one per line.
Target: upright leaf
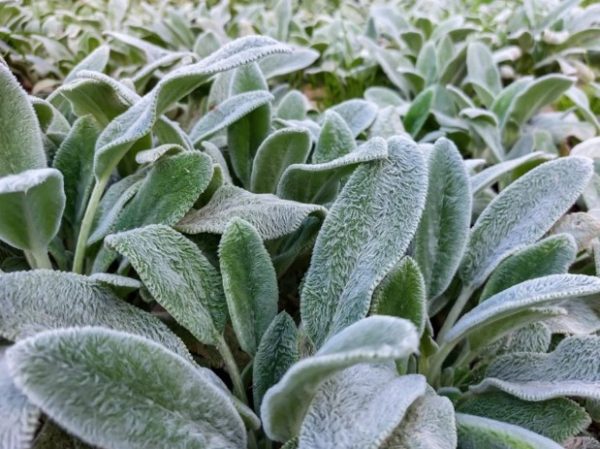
{"x":418,"y":112}
{"x":34,"y":301}
{"x":276,"y":353}
{"x":366,"y":232}
{"x":85,"y":378}
{"x":483,"y":72}
{"x":358,"y":114}
{"x":335,"y":140}
{"x":522,"y":213}
{"x":553,"y":255}
{"x":178,"y":276}
{"x":249,"y":283}
{"x":402,"y":294}
{"x":21,"y":146}
{"x":278,"y":151}
{"x":371,"y":340}
{"x":444,"y":227}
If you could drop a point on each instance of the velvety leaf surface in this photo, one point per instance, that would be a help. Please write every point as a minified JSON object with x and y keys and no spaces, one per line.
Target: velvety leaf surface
{"x":75,"y":159}
{"x":522,"y":213}
{"x":335,"y":140}
{"x":366,"y":232}
{"x":402,"y":294}
{"x":178,"y":276}
{"x":536,"y":293}
{"x":168,"y":192}
{"x":278,"y":151}
{"x":475,"y":432}
{"x":358,"y":114}
{"x":249,"y":283}
{"x":374,"y":339}
{"x":34,"y":301}
{"x":552,"y":255}
{"x":319,"y":183}
{"x":557,"y":419}
{"x":572,"y":369}
{"x":21,"y":147}
{"x":276,"y":353}
{"x":32,"y":204}
{"x":18,"y":417}
{"x":359,"y":407}
{"x":228,"y":112}
{"x":429,"y":424}
{"x":271,"y":216}
{"x":444,"y":227}
{"x":85,"y":378}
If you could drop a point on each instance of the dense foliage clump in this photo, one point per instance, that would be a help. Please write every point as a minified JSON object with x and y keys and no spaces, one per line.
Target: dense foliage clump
{"x":316,"y":225}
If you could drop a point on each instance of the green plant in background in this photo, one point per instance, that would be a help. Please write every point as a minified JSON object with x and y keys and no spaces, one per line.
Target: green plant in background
{"x":204,"y":242}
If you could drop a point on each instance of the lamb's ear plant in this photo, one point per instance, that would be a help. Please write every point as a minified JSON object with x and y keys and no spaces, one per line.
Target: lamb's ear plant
{"x":370,"y":233}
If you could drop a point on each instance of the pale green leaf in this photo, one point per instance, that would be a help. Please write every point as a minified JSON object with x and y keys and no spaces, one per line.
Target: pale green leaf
{"x":283,"y":64}
{"x":358,"y":114}
{"x":85,"y":378}
{"x":271,"y":216}
{"x":21,"y":147}
{"x":444,"y":227}
{"x":482,"y":69}
{"x":402,"y":294}
{"x":418,"y":112}
{"x":278,"y":151}
{"x":178,"y":276}
{"x":32,"y":204}
{"x":360,"y":406}
{"x":522,"y":213}
{"x":335,"y":140}
{"x":475,"y":432}
{"x":374,"y":339}
{"x":249,"y":283}
{"x":366,"y":232}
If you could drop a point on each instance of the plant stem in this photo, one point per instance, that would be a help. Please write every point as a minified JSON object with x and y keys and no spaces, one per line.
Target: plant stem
{"x":86,"y":224}
{"x":454,"y":313}
{"x":436,"y":362}
{"x":38,"y":258}
{"x":233,"y":370}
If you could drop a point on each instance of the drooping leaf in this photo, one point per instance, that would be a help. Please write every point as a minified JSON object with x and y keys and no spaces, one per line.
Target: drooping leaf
{"x":553,"y":255}
{"x":371,"y":340}
{"x":249,"y":283}
{"x":18,"y":416}
{"x":278,"y":151}
{"x":402,"y":294}
{"x":32,"y":204}
{"x":271,"y":216}
{"x":74,"y":159}
{"x":335,"y":140}
{"x":21,"y":147}
{"x":118,"y":137}
{"x":429,"y":424}
{"x":276,"y":353}
{"x":533,"y":294}
{"x":178,"y":276}
{"x":522,"y":213}
{"x":475,"y":432}
{"x":557,"y":419}
{"x":319,"y":183}
{"x":228,"y":112}
{"x":444,"y":227}
{"x":34,"y":301}
{"x":85,"y":378}
{"x":154,"y":154}
{"x":282,"y":64}
{"x":375,"y":400}
{"x":572,"y":369}
{"x":366,"y":232}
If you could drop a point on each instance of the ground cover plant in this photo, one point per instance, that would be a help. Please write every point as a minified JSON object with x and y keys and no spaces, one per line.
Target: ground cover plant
{"x":316,"y":225}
